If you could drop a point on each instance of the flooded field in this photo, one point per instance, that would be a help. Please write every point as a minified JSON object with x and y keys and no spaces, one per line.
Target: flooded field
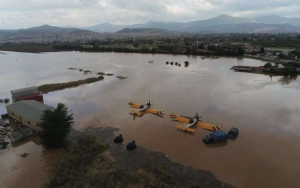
{"x":265,"y":109}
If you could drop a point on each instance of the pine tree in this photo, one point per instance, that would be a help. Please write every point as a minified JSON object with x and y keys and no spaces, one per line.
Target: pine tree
{"x":55,"y":126}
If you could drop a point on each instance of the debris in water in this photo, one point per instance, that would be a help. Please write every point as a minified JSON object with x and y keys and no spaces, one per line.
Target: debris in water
{"x":87,"y":72}
{"x":186,"y":64}
{"x":101,"y":73}
{"x":119,"y":139}
{"x":131,"y":145}
{"x":24,"y":155}
{"x":13,"y":168}
{"x":121,"y":77}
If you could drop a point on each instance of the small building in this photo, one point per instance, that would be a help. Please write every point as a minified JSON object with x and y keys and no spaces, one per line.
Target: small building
{"x":17,"y":94}
{"x":27,"y":112}
{"x":87,"y":46}
{"x":284,"y":51}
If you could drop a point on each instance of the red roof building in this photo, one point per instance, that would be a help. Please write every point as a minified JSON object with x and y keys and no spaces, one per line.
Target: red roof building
{"x":36,"y":96}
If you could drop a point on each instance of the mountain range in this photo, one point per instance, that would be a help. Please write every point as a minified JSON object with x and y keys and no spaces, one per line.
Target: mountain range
{"x":219,"y":24}
{"x":41,"y":32}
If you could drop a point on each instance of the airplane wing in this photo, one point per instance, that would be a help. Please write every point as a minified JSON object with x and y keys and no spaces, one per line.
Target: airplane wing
{"x":154,"y":111}
{"x":179,"y":118}
{"x":134,"y":105}
{"x":185,"y":129}
{"x":209,"y":126}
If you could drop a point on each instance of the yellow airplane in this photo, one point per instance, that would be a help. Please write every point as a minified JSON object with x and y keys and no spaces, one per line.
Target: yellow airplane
{"x":189,"y":122}
{"x":140,"y":109}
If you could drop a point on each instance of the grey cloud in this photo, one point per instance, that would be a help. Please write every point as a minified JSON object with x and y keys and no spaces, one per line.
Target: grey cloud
{"x":81,"y":13}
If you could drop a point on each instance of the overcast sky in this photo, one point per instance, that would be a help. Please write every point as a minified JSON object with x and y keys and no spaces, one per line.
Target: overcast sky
{"x":15,"y":14}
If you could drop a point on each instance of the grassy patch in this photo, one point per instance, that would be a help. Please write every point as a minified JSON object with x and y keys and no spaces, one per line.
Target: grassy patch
{"x":72,"y":170}
{"x":59,"y":86}
{"x":30,"y":48}
{"x":88,"y":164}
{"x":163,"y":174}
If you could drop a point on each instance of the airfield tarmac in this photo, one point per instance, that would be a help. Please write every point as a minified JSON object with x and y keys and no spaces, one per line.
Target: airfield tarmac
{"x":265,"y":109}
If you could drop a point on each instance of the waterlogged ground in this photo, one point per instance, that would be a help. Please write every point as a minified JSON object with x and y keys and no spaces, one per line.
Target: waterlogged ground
{"x":265,"y":109}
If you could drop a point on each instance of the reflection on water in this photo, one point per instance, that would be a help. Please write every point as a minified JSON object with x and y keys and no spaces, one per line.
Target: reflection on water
{"x":286,"y":80}
{"x":217,"y":145}
{"x":264,"y":110}
{"x":29,"y":171}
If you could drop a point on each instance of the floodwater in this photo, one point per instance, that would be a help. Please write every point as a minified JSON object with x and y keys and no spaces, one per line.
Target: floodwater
{"x":265,"y":109}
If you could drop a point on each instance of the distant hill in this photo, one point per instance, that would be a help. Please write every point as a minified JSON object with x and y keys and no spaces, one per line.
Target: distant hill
{"x":227,"y":23}
{"x":219,"y":20}
{"x":249,"y":28}
{"x":274,"y":19}
{"x":106,"y":27}
{"x":41,"y":32}
{"x":146,"y":31}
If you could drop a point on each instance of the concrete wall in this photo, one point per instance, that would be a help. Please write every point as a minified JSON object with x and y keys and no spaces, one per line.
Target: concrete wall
{"x":25,"y":121}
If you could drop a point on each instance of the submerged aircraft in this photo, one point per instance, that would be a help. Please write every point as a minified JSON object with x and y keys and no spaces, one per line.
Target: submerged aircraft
{"x":189,"y":122}
{"x":140,"y":109}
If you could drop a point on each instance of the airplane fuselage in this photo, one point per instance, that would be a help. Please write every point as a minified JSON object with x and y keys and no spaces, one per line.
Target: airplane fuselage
{"x":189,"y":125}
{"x":141,"y":109}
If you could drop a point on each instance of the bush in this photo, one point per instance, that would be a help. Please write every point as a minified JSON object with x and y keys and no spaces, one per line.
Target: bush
{"x":268,"y":65}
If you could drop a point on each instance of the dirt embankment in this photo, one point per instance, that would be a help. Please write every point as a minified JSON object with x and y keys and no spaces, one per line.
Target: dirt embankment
{"x":59,"y":86}
{"x":31,"y":48}
{"x":94,"y":160}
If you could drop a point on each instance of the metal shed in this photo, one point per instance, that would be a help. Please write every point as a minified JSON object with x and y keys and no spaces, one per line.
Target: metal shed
{"x":27,"y":112}
{"x":17,"y":94}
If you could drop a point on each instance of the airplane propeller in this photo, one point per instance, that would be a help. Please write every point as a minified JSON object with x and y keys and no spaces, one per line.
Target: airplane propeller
{"x":197,"y":116}
{"x":149,"y":104}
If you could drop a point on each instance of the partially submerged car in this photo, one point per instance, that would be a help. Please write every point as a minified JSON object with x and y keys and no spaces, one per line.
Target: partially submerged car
{"x":215,"y":137}
{"x":220,"y":136}
{"x":233,"y":133}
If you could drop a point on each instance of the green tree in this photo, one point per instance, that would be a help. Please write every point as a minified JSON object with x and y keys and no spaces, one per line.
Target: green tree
{"x":153,"y":50}
{"x":240,"y":51}
{"x":268,"y":65}
{"x":55,"y":125}
{"x":136,"y":45}
{"x":281,"y":56}
{"x":168,"y":41}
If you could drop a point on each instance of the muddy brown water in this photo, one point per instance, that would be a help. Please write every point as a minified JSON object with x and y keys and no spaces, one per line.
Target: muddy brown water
{"x":265,"y":109}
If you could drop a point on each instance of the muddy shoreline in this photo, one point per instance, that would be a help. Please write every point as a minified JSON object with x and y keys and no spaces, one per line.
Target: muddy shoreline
{"x":49,"y":48}
{"x":31,"y":48}
{"x":149,"y":161}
